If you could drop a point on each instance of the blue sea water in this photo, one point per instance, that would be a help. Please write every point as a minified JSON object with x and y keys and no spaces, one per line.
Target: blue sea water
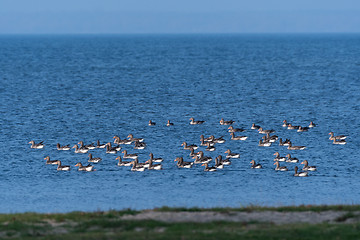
{"x":64,"y":88}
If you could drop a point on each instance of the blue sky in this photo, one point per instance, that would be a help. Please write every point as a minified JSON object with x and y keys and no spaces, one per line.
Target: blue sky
{"x":186,"y":16}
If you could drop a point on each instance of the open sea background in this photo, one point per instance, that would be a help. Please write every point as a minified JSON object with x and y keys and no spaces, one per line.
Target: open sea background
{"x":67,"y":88}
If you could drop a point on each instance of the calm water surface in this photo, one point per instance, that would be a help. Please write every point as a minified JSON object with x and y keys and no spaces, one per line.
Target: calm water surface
{"x":70,"y":88}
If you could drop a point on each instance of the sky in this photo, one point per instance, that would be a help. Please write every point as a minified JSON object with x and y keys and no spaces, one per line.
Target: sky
{"x":175,"y":16}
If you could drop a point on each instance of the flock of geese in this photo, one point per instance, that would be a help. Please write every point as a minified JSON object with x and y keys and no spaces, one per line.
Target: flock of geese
{"x":199,"y":157}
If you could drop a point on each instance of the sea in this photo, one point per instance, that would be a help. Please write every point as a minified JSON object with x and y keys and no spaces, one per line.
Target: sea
{"x":70,"y":88}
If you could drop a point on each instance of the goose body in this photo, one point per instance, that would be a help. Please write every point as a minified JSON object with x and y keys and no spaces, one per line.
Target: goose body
{"x":139,"y":145}
{"x":300,"y":174}
{"x":312,"y":125}
{"x":254,"y":126}
{"x":279,"y":158}
{"x":291,"y":159}
{"x":36,"y":145}
{"x":285,"y":143}
{"x":126,"y":155}
{"x":339,"y":142}
{"x":209,"y":147}
{"x":154,"y":166}
{"x":48,"y":161}
{"x":93,"y":160}
{"x":232,"y":155}
{"x":262,"y":131}
{"x":285,"y":123}
{"x":117,"y":140}
{"x":98,"y":145}
{"x":302,"y":129}
{"x":192,"y":122}
{"x":80,"y":150}
{"x":233,"y":137}
{"x":232,"y":129}
{"x":151,"y":123}
{"x":62,"y":148}
{"x":207,"y":168}
{"x":187,"y":147}
{"x":291,"y":127}
{"x":156,"y":160}
{"x":122,"y":163}
{"x":201,"y":158}
{"x":62,"y":167}
{"x":87,"y":168}
{"x":136,"y":167}
{"x":181,"y":164}
{"x":132,"y":139}
{"x":278,"y":168}
{"x":222,"y":122}
{"x":89,"y":146}
{"x":225,"y":161}
{"x":110,"y":150}
{"x":264,"y":143}
{"x":291,"y":147}
{"x":254,"y":165}
{"x":307,"y":167}
{"x":168,"y":124}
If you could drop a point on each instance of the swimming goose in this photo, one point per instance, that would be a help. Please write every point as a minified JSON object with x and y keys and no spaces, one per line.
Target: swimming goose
{"x":192,"y":122}
{"x":340,"y":137}
{"x":62,"y":148}
{"x":123,"y":163}
{"x":116,"y":147}
{"x":291,"y":127}
{"x":218,"y":164}
{"x":193,"y":153}
{"x":285,"y":143}
{"x":254,"y":165}
{"x":307,"y":167}
{"x":153,"y":166}
{"x":225,"y":161}
{"x":278,"y":168}
{"x":233,"y":137}
{"x":48,"y":161}
{"x":232,"y":129}
{"x":262,"y":131}
{"x":36,"y":145}
{"x":61,"y":167}
{"x":151,"y":123}
{"x":291,"y":159}
{"x":300,"y":174}
{"x":222,"y":122}
{"x":126,"y":155}
{"x":341,"y":142}
{"x":232,"y":155}
{"x":272,"y":138}
{"x":132,"y":139}
{"x":93,"y":160}
{"x":217,"y":140}
{"x":209,"y":147}
{"x":117,"y":140}
{"x":207,"y":168}
{"x":187,"y":147}
{"x":291,"y":147}
{"x":264,"y":143}
{"x":302,"y":129}
{"x":311,"y":125}
{"x":203,"y":143}
{"x":208,"y":139}
{"x":285,"y":123}
{"x":201,"y":158}
{"x":136,"y":167}
{"x":278,"y":158}
{"x":89,"y":146}
{"x":157,"y":160}
{"x":80,"y":150}
{"x":254,"y":126}
{"x":87,"y":168}
{"x":98,"y":145}
{"x":169,"y":123}
{"x":181,"y":164}
{"x":139,"y":145}
{"x":145,"y":164}
{"x":110,"y":150}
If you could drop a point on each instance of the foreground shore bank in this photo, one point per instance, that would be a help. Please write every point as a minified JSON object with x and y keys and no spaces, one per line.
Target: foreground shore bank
{"x":302,"y":222}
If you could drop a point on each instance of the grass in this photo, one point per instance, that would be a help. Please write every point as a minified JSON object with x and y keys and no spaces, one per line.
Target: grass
{"x":109,"y":225}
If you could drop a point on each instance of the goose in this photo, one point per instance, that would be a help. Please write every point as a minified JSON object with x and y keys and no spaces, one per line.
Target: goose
{"x":61,"y":167}
{"x":340,"y":137}
{"x":98,"y":145}
{"x":225,"y":161}
{"x":192,"y":122}
{"x":110,"y":149}
{"x":136,"y":167}
{"x":48,"y":161}
{"x":116,"y":147}
{"x":307,"y":167}
{"x":117,"y":140}
{"x":208,"y":139}
{"x":278,"y":158}
{"x":341,"y":142}
{"x":262,"y":131}
{"x":203,"y":143}
{"x":169,"y":123}
{"x":132,"y":139}
{"x":285,"y":143}
{"x":272,"y":138}
{"x":302,"y":129}
{"x":311,"y":125}
{"x":232,"y":155}
{"x":278,"y":168}
{"x":264,"y":143}
{"x":145,"y":164}
{"x":87,"y":168}
{"x":181,"y":164}
{"x":122,"y":163}
{"x":222,"y":122}
{"x":151,"y":123}
{"x":254,"y":126}
{"x":209,"y":147}
{"x":201,"y":158}
{"x":93,"y":160}
{"x":300,"y":174}
{"x":285,"y":123}
{"x":80,"y":150}
{"x":207,"y":168}
{"x":139,"y":145}
{"x":156,"y":160}
{"x":89,"y":146}
{"x":126,"y":155}
{"x":187,"y":147}
{"x":291,"y":159}
{"x":254,"y":165}
{"x":153,"y":166}
{"x":232,"y":129}
{"x":62,"y":148}
{"x":217,"y":140}
{"x":291,"y":147}
{"x":193,"y":153}
{"x":233,"y":137}
{"x":36,"y":145}
{"x":218,"y":164}
{"x":291,"y":127}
